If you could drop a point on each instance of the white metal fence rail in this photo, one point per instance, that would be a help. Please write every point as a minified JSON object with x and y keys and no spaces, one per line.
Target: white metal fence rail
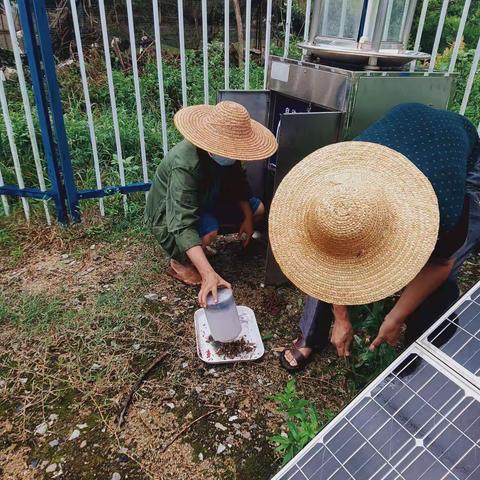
{"x":156,"y":17}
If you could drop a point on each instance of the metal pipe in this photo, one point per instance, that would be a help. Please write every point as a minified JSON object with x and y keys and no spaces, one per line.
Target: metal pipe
{"x":268,"y":29}
{"x":161,"y":88}
{"x":471,"y":77}
{"x":113,"y":102}
{"x":438,"y":36}
{"x":248,"y":21}
{"x":288,"y":21}
{"x":226,"y":45}
{"x":26,"y":104}
{"x":206,"y":95}
{"x":13,"y":146}
{"x":317,"y":8}
{"x":181,"y":41}
{"x":136,"y":86}
{"x":380,"y":24}
{"x":418,"y":38}
{"x":88,"y":103}
{"x":458,"y":39}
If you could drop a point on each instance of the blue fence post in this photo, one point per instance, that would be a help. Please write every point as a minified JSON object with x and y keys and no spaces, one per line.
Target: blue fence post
{"x":53,"y":90}
{"x":33,"y":55}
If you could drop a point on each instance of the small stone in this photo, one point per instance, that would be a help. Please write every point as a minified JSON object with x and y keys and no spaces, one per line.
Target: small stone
{"x":237,"y":426}
{"x":116,"y":476}
{"x":92,"y":247}
{"x":65,"y":256}
{"x":136,"y":346}
{"x":53,"y":417}
{"x":230,"y":440}
{"x":34,"y":462}
{"x":246,"y":435}
{"x":41,"y":429}
{"x":198,"y":389}
{"x":83,"y":444}
{"x":221,"y":448}
{"x":200,"y":456}
{"x":95,"y":366}
{"x":170,"y":405}
{"x":151,"y":297}
{"x":74,"y":435}
{"x":221,"y":427}
{"x":3,"y":383}
{"x":233,"y":418}
{"x":23,"y":380}
{"x":184,"y":364}
{"x":82,"y":426}
{"x":229,"y":391}
{"x":172,"y":392}
{"x":51,"y":468}
{"x":54,"y":443}
{"x":123,"y":450}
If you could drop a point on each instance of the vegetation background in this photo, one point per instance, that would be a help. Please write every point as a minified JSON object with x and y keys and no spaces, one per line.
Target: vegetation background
{"x":72,"y":95}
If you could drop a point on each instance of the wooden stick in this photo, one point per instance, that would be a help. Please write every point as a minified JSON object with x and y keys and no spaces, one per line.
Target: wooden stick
{"x":136,"y":386}
{"x":187,"y":427}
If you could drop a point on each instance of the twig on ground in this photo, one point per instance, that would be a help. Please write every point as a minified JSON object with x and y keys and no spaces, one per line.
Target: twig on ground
{"x":136,"y":386}
{"x":187,"y":427}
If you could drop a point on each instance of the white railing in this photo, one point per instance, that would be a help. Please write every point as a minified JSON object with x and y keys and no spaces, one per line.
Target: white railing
{"x":156,"y":28}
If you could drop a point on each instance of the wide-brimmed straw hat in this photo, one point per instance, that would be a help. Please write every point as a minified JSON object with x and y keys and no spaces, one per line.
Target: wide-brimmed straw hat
{"x":227,"y":130}
{"x":353,"y":223}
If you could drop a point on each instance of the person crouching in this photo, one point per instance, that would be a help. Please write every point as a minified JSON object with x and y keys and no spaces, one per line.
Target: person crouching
{"x":201,"y":185}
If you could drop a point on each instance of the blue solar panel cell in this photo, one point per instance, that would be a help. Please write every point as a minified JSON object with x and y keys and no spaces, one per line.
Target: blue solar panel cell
{"x":458,"y":336}
{"x":420,"y":420}
{"x":416,"y":423}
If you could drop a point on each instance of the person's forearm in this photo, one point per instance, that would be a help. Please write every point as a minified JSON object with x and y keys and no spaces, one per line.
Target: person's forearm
{"x":245,"y":207}
{"x":431,"y":277}
{"x":340,"y":314}
{"x":199,"y":260}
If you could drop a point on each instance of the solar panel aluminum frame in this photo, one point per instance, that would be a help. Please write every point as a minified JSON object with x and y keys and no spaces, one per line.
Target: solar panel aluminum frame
{"x":445,"y":368}
{"x":437,"y":353}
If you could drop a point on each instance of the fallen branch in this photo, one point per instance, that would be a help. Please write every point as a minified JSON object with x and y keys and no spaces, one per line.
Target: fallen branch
{"x":187,"y":427}
{"x":136,"y":386}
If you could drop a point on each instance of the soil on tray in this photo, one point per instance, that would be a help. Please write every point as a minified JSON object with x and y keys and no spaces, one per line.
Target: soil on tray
{"x":231,"y":349}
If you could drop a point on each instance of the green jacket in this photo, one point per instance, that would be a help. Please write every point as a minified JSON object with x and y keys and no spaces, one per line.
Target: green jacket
{"x":187,"y":181}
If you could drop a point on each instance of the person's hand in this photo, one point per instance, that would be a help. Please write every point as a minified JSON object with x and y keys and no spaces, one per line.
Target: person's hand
{"x":389,"y":332}
{"x":246,"y":230}
{"x":211,"y":282}
{"x":342,"y":332}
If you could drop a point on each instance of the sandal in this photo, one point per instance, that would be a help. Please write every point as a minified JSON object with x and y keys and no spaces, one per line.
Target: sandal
{"x":300,"y":358}
{"x":172,"y":273}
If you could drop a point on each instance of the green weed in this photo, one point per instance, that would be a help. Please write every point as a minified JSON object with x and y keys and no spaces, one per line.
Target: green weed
{"x":303,"y":421}
{"x":364,"y":364}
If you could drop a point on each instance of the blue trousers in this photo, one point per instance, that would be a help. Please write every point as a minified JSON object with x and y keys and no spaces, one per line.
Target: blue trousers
{"x":317,"y":315}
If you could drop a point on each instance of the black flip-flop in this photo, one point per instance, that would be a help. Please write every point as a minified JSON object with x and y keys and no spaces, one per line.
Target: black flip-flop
{"x":300,"y":358}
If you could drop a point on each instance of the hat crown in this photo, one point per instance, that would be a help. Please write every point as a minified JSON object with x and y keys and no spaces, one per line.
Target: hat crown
{"x":350,"y":217}
{"x":231,"y":117}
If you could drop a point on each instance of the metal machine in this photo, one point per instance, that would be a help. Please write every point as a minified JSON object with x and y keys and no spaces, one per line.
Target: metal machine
{"x":356,"y":67}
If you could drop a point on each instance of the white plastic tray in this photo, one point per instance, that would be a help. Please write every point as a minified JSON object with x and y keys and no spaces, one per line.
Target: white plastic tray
{"x":250,"y":332}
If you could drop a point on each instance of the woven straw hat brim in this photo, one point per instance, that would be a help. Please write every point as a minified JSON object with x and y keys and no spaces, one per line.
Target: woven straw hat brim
{"x":256,"y":143}
{"x":404,"y":248}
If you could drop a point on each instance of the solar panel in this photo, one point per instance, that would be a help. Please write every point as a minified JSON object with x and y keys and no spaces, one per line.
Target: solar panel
{"x":419,"y":420}
{"x":456,"y":336}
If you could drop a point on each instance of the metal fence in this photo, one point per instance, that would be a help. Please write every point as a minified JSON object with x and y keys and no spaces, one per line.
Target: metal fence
{"x":44,"y":116}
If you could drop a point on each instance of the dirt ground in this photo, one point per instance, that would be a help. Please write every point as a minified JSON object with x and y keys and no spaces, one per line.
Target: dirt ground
{"x":84,"y":310}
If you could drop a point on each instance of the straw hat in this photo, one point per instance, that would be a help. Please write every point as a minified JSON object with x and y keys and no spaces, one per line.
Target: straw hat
{"x":226,"y":130}
{"x":353,"y":223}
